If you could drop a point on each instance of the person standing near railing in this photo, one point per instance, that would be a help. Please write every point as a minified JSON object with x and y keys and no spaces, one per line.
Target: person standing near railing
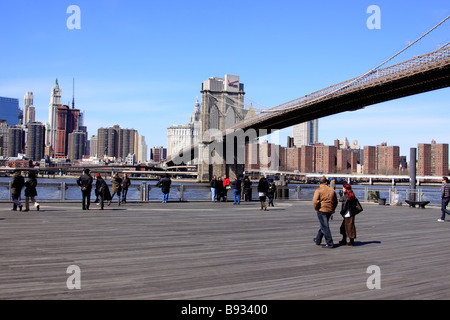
{"x":17,"y":183}
{"x":30,"y":191}
{"x":445,"y":198}
{"x":85,"y":183}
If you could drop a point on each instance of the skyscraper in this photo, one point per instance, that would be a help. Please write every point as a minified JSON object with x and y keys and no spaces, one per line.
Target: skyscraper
{"x":28,"y":108}
{"x":66,"y":123}
{"x":306,"y":133}
{"x":35,"y":141}
{"x":432,"y":159}
{"x":55,"y":102}
{"x":76,"y":145}
{"x":9,"y":110}
{"x":16,"y":141}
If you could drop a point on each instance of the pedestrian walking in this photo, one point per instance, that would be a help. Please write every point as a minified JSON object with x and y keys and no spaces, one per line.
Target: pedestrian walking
{"x":348,"y":212}
{"x":271,"y":192}
{"x":247,"y":185}
{"x":30,"y":191}
{"x":325,"y":202}
{"x":237,"y":189}
{"x":126,"y":182}
{"x":165,"y":183}
{"x":17,"y":183}
{"x":85,"y":183}
{"x":445,"y":198}
{"x":226,"y":187}
{"x":102,"y":189}
{"x":116,"y":187}
{"x":263,"y":186}
{"x":212,"y":184}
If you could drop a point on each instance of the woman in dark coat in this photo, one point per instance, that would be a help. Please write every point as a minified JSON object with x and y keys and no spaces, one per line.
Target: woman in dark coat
{"x":101,"y":188}
{"x":348,"y":212}
{"x":17,"y":183}
{"x":263,"y":186}
{"x":30,"y":191}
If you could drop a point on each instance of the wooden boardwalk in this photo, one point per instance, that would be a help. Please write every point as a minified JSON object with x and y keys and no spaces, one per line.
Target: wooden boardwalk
{"x":219,"y":251}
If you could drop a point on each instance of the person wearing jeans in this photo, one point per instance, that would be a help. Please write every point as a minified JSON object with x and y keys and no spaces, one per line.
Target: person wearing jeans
{"x":325,"y":202}
{"x":445,"y":198}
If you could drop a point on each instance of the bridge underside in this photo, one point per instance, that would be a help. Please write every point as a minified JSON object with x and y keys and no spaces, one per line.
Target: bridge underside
{"x":417,"y":83}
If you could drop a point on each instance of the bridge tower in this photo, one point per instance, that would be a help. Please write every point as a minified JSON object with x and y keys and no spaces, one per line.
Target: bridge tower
{"x":222,"y":107}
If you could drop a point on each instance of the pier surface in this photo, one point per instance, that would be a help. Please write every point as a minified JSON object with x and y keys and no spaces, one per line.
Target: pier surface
{"x":219,"y":251}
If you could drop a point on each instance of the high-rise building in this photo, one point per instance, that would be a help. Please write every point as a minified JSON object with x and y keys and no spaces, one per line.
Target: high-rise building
{"x":127,"y":142}
{"x":432,"y":159}
{"x":55,"y":102}
{"x":28,"y":108}
{"x":94,"y":146}
{"x":306,"y":133}
{"x":388,"y":159}
{"x":142,"y":152}
{"x":9,"y":110}
{"x":370,"y":160}
{"x":181,"y":136}
{"x":16,"y":141}
{"x":158,"y":154}
{"x":66,"y":123}
{"x":107,"y":142}
{"x":35,"y":141}
{"x":76,"y":145}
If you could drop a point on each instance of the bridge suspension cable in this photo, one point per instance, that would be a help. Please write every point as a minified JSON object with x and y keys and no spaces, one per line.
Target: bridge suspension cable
{"x":282,"y":108}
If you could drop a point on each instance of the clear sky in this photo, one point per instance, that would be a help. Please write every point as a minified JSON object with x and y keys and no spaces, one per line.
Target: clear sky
{"x":141,"y":63}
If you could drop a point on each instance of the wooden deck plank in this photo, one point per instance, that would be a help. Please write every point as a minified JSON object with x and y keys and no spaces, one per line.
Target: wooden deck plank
{"x":202,"y":250}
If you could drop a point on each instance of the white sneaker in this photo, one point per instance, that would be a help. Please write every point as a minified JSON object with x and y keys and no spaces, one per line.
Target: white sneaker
{"x":440,"y":220}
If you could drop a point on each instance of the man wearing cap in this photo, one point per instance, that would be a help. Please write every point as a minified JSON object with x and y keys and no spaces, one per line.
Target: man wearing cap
{"x":325,"y":202}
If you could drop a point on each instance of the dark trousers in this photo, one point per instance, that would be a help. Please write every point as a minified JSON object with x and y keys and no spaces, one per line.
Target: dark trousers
{"x":324,"y":230}
{"x":124,"y":195}
{"x":444,"y":209}
{"x":86,"y":199}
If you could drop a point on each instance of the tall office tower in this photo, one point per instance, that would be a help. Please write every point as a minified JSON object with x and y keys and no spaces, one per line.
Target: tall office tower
{"x":35,"y":141}
{"x":28,"y":114}
{"x":306,"y":133}
{"x":16,"y":141}
{"x":107,"y":143}
{"x":94,"y":146}
{"x":55,"y":102}
{"x":181,"y":136}
{"x":66,"y":123}
{"x":142,"y":153}
{"x":76,"y":145}
{"x":325,"y":159}
{"x":9,"y":110}
{"x":127,"y":142}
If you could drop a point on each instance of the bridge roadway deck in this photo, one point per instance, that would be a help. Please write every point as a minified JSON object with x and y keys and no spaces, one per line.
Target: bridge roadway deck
{"x":219,"y":251}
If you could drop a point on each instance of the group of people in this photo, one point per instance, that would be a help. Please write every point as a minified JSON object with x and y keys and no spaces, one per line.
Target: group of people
{"x":17,"y":184}
{"x":325,"y":202}
{"x":102,"y":193}
{"x":220,"y":186}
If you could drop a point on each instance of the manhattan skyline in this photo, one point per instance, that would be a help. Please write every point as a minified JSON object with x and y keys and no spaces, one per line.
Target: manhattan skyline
{"x":141,"y":64}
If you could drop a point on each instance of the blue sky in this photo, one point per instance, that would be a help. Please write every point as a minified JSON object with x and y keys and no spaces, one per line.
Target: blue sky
{"x":140,"y":64}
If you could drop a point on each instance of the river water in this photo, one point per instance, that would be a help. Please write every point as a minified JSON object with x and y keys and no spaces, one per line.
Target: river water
{"x":51,"y":190}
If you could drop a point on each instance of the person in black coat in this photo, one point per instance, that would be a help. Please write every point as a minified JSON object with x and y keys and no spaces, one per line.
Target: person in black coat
{"x":17,"y":183}
{"x":30,"y":191}
{"x":263,"y":186}
{"x":126,"y":182}
{"x":85,"y":183}
{"x":101,"y":188}
{"x":348,"y":212}
{"x":271,"y":192}
{"x":247,"y":188}
{"x":165,"y":183}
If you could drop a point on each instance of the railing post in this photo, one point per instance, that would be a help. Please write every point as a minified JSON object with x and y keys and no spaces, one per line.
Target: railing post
{"x":181,"y":192}
{"x":63,"y":191}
